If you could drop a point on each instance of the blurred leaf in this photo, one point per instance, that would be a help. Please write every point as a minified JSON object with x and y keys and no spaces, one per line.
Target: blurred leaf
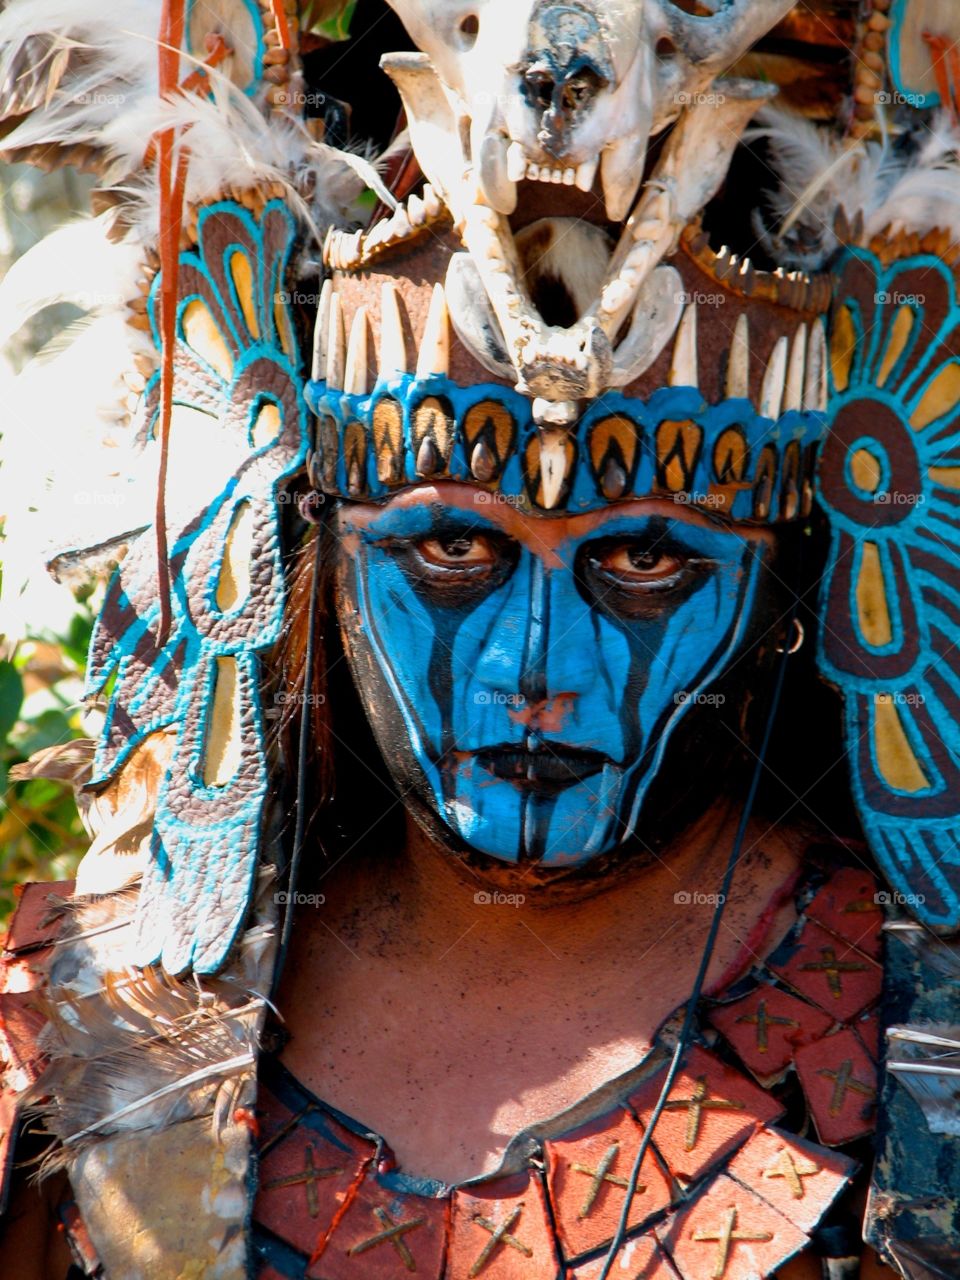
{"x":328,"y":18}
{"x":49,"y":729}
{"x":76,"y":642}
{"x":40,"y":793}
{"x":11,"y":698}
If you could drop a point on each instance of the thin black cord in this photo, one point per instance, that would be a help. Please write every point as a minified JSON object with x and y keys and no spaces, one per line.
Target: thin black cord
{"x":686,"y":1032}
{"x":303,"y":755}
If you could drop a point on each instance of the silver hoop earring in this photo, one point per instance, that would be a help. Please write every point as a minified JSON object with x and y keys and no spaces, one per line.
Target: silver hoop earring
{"x":796,"y":644}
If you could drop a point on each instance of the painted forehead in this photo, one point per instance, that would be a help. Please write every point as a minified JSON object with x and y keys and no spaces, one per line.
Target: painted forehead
{"x":422,"y":509}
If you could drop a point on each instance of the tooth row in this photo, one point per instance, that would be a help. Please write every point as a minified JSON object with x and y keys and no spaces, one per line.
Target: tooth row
{"x":520,"y":168}
{"x":345,"y":366}
{"x":795,"y":377}
{"x":794,"y":289}
{"x":349,"y":250}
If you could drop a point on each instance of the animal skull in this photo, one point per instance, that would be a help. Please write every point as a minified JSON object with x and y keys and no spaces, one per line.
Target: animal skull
{"x":508,"y":91}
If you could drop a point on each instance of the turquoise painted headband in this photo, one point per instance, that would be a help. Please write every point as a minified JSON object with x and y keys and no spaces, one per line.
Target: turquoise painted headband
{"x":726,"y":458}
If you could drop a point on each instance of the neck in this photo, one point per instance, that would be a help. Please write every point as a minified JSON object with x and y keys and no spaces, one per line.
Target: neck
{"x":556,"y":992}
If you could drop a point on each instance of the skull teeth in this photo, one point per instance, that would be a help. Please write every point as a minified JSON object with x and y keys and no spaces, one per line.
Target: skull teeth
{"x":520,"y":168}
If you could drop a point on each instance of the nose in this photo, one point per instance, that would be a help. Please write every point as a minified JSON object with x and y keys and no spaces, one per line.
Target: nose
{"x":562,"y":94}
{"x":566,"y":69}
{"x":543,"y":648}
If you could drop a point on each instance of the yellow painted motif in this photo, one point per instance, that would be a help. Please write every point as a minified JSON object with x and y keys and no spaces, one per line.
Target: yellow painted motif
{"x":432,"y":418}
{"x":843,"y":345}
{"x":866,"y":471}
{"x":618,"y":429}
{"x":949,"y":477}
{"x":677,"y":447}
{"x":497,"y":415}
{"x":233,"y":586}
{"x":873,"y":614}
{"x":730,"y":456}
{"x":896,"y":761}
{"x":388,"y":440}
{"x":267,"y":427}
{"x":242,"y":275}
{"x":900,"y":332}
{"x":201,"y":333}
{"x":221,"y":759}
{"x":940,"y":398}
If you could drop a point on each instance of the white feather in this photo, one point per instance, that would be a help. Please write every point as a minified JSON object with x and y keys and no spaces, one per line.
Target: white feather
{"x":914,"y":187}
{"x":76,"y":264}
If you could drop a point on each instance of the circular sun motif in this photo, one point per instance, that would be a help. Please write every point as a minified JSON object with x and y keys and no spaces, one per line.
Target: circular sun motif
{"x":889,"y":481}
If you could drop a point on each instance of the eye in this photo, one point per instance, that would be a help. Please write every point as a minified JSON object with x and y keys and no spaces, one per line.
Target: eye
{"x":631,"y":562}
{"x":455,"y":565}
{"x":468,"y":550}
{"x":639,"y":578}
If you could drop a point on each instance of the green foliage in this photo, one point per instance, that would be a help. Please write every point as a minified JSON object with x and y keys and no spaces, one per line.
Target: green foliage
{"x":329,"y":18}
{"x":41,"y":837}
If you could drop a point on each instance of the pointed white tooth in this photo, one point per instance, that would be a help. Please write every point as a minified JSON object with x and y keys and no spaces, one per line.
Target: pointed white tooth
{"x":586,"y":175}
{"x":683,"y":370}
{"x":771,"y":394}
{"x":516,"y":162}
{"x":435,"y":347}
{"x":621,"y":170}
{"x":356,"y":381}
{"x":416,"y":212}
{"x":738,"y":361}
{"x":431,"y":202}
{"x":793,"y":396}
{"x":336,"y":344}
{"x":319,"y":364}
{"x":393,"y":348}
{"x":815,"y":386}
{"x":553,"y":466}
{"x":377,"y":234}
{"x":400,"y":226}
{"x":495,"y":182}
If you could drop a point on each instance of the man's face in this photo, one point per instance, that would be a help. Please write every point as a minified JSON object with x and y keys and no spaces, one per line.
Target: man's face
{"x":523,"y":675}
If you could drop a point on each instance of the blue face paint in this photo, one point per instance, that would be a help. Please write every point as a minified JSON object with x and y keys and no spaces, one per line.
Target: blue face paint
{"x":538,"y":688}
